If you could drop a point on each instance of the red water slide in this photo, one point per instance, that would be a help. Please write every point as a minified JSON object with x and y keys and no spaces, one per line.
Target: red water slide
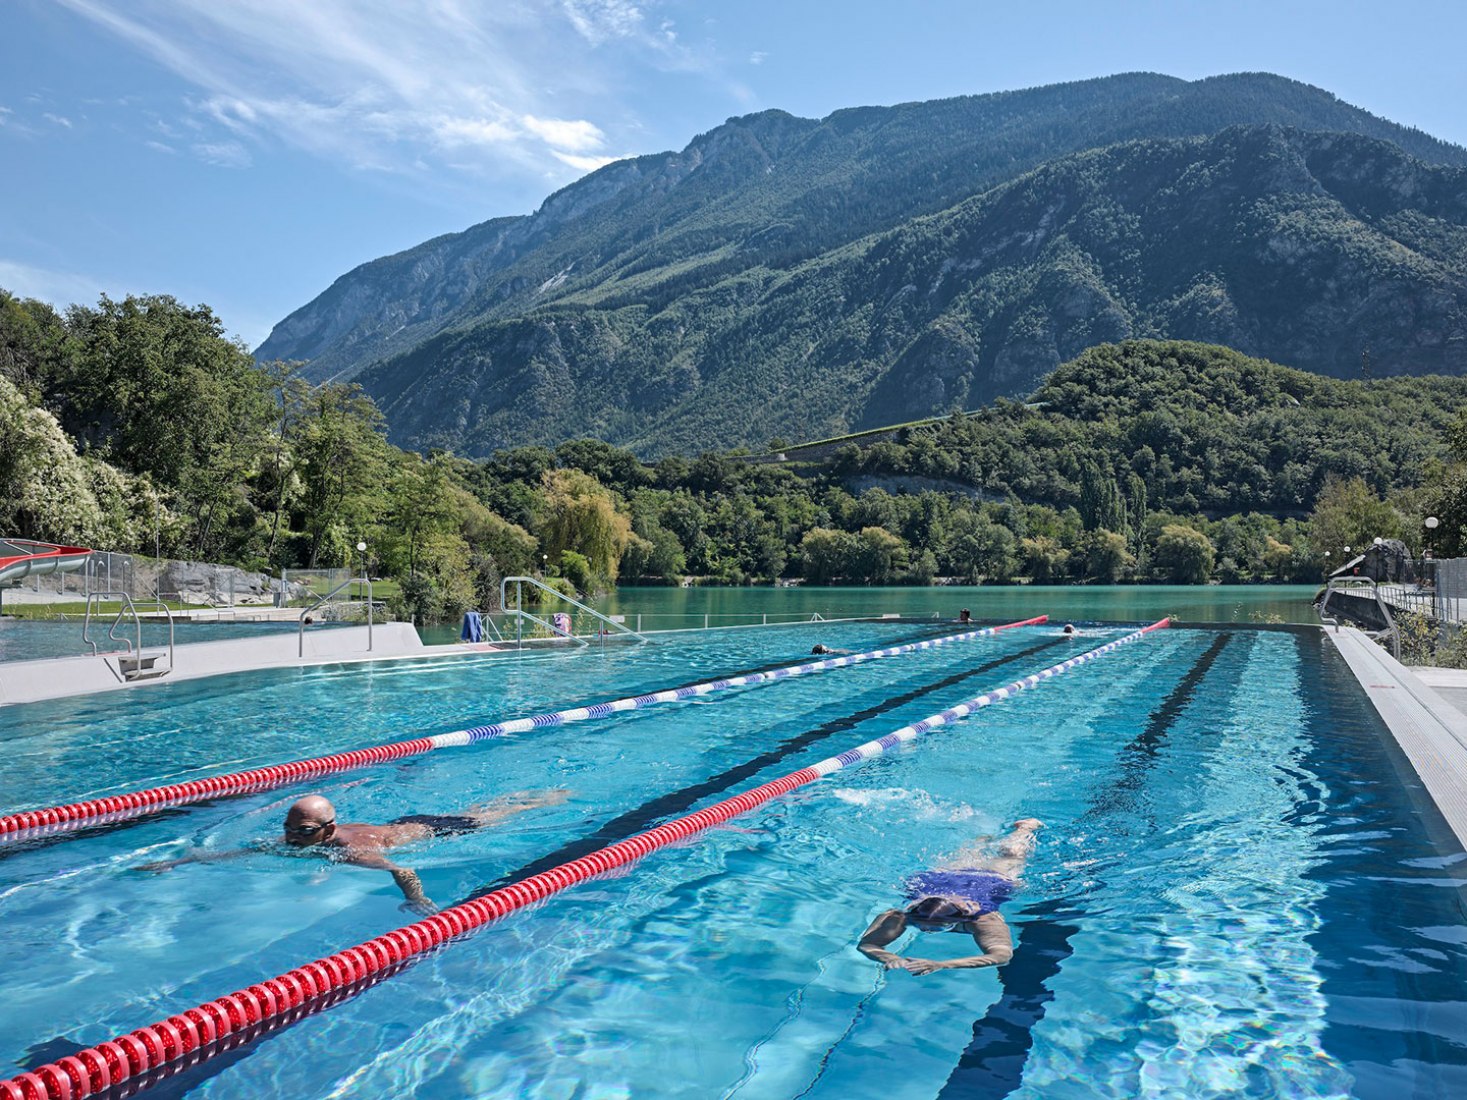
{"x":22,"y":558}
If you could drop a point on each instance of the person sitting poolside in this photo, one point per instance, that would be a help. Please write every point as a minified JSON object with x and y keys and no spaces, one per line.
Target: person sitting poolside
{"x":311,"y":823}
{"x":962,"y":895}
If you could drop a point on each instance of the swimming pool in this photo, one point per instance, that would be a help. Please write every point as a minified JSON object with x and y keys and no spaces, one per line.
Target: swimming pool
{"x":1234,"y":895}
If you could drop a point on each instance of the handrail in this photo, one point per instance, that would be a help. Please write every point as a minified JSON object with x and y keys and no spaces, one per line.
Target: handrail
{"x":1337,"y":584}
{"x":520,"y":612}
{"x":322,"y":601}
{"x":129,"y":607}
{"x":554,"y":630}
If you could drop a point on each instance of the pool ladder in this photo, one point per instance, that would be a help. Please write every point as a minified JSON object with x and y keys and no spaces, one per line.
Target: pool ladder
{"x":134,"y":664}
{"x":1339,"y":584}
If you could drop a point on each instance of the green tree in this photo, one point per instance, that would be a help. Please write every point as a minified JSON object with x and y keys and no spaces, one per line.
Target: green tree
{"x":979,"y":548}
{"x":1184,"y":555}
{"x":828,"y":555}
{"x":1101,"y":557}
{"x":156,"y":388}
{"x":1348,"y":513}
{"x":581,"y":516}
{"x":342,"y":462}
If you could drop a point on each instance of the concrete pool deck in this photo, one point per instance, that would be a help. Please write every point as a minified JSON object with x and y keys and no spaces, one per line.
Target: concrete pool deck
{"x":62,"y":677}
{"x":1426,"y":712}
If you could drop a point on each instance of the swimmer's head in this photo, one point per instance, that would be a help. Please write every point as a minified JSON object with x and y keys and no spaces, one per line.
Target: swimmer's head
{"x":940,"y":911}
{"x":820,"y":649}
{"x":309,"y":820}
{"x":1069,"y":628}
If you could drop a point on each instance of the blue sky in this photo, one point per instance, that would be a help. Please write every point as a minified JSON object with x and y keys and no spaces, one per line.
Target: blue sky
{"x":245,"y":153}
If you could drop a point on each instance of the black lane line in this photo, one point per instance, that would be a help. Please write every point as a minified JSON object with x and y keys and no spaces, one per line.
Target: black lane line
{"x":675,"y":802}
{"x":9,"y":847}
{"x":992,"y":1064}
{"x":1138,"y":756}
{"x":923,"y":635}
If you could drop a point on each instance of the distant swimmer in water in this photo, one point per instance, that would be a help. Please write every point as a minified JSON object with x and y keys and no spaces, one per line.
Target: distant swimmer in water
{"x":310,"y":823}
{"x":1069,"y":630}
{"x":965,"y":616}
{"x":961,"y":895}
{"x":821,"y":650}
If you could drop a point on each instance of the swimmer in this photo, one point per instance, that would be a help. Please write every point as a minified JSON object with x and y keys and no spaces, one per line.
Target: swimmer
{"x":965,"y":616}
{"x":310,"y":823}
{"x":821,"y":650}
{"x":1069,"y":631}
{"x":962,"y":895}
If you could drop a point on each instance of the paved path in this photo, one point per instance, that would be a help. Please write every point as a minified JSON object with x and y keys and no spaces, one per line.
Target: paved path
{"x":1430,"y":730}
{"x":62,"y":677}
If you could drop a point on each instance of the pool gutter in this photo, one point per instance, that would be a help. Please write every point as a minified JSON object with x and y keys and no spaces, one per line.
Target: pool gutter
{"x":1430,"y":731}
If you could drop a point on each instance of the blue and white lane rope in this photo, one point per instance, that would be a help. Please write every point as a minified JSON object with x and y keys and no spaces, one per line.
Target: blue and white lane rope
{"x":602,"y":710}
{"x":962,"y":710}
{"x":121,"y":807}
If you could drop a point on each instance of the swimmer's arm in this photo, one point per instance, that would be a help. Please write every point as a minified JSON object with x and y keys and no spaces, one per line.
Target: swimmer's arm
{"x":884,"y":929}
{"x":199,"y":855}
{"x":406,"y":878}
{"x":993,"y":935}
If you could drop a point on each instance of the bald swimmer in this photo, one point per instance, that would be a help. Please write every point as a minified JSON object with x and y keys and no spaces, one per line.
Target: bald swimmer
{"x":311,"y":823}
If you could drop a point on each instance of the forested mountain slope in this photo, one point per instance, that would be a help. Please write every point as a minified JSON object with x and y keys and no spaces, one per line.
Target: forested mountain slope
{"x":1307,"y":249}
{"x":667,"y":272}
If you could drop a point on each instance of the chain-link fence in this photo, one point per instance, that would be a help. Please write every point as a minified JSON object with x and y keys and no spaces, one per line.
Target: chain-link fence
{"x":142,"y":577}
{"x":1431,"y":613}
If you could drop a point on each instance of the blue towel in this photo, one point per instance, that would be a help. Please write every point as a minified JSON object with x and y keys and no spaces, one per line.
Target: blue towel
{"x":473,"y":630}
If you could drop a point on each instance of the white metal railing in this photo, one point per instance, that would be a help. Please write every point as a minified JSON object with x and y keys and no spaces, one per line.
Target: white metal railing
{"x":321,"y":601}
{"x":1341,"y":585}
{"x":612,"y":625}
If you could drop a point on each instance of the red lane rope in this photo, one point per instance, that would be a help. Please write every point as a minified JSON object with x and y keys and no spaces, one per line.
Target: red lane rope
{"x":149,"y":1048}
{"x":121,"y":807}
{"x":136,"y":803}
{"x":118,"y":1060}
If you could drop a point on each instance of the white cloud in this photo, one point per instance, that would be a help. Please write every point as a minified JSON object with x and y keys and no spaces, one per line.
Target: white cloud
{"x":57,"y":120}
{"x":223,"y":154}
{"x":158,"y":146}
{"x":450,"y":93}
{"x":574,"y":135}
{"x":757,"y":57}
{"x":60,"y":288}
{"x":597,"y":21}
{"x":475,"y":87}
{"x":584,"y":164}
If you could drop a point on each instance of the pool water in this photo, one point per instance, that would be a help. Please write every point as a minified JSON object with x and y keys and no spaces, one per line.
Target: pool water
{"x":32,"y":640}
{"x":1235,"y":894}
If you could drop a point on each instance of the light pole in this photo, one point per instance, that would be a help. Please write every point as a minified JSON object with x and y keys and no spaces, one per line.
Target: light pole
{"x":367,"y":590}
{"x":1428,"y":566}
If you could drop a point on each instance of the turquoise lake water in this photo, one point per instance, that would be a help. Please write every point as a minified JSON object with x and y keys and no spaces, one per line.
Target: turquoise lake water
{"x":684,"y":608}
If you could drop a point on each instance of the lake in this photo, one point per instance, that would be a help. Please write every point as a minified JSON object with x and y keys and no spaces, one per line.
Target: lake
{"x":673,"y":608}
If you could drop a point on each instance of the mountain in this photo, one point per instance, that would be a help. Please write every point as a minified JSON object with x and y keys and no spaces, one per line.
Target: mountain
{"x":890,"y":262}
